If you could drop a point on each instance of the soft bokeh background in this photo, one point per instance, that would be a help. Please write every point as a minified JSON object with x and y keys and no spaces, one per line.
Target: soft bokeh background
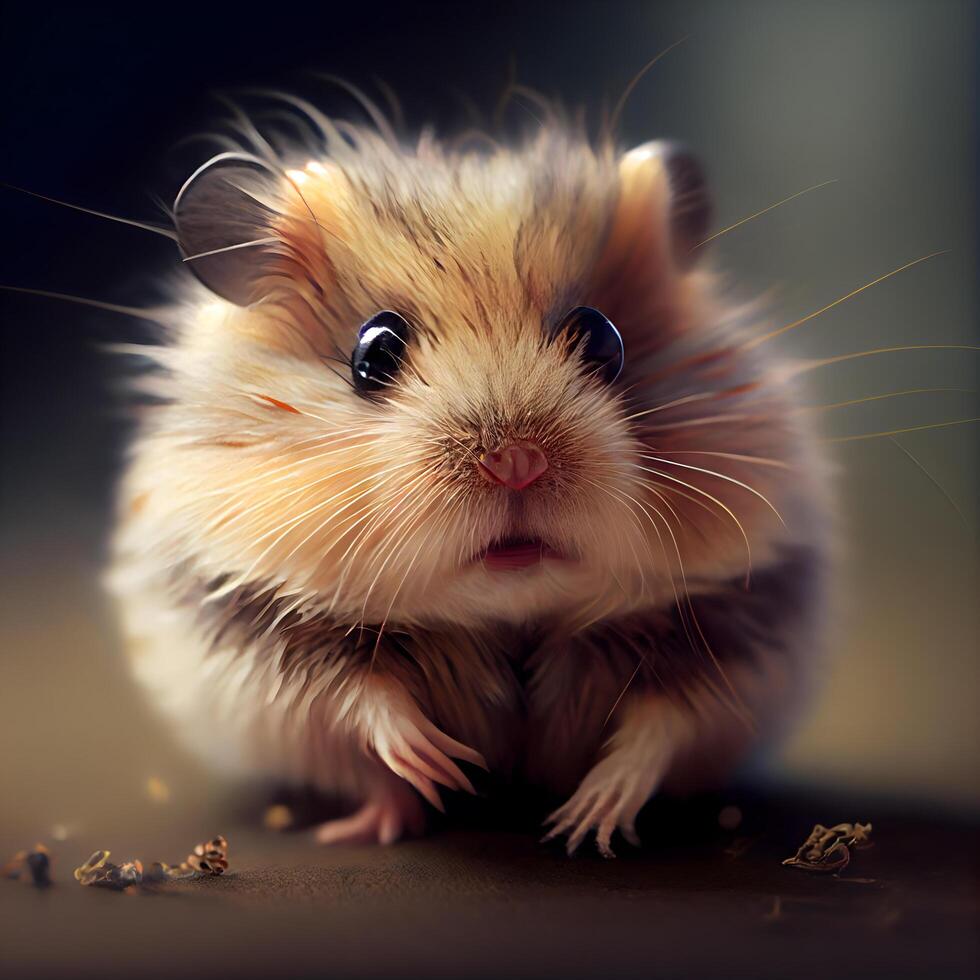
{"x":775,"y":96}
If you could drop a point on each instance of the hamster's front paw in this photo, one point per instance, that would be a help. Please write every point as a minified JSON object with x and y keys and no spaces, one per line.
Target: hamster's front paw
{"x":383,"y":819}
{"x":608,"y":799}
{"x":413,"y":748}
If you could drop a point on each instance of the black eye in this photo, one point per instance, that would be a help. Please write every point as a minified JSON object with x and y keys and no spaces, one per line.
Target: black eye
{"x":378,"y":355}
{"x":601,"y":344}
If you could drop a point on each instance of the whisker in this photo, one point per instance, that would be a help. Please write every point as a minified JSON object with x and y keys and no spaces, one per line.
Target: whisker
{"x":875,"y":398}
{"x":320,"y":440}
{"x":791,"y":371}
{"x":626,"y":687}
{"x":720,"y":476}
{"x":133,"y":223}
{"x":714,"y":500}
{"x":755,"y":341}
{"x":376,"y":514}
{"x":635,"y":80}
{"x":736,"y":705}
{"x":284,"y":528}
{"x":704,"y":420}
{"x":896,"y":432}
{"x":425,"y":540}
{"x":933,"y":480}
{"x":609,"y":491}
{"x":415,"y":515}
{"x":758,"y":214}
{"x":223,"y":515}
{"x":700,"y":396}
{"x":150,"y":315}
{"x":694,"y":500}
{"x":230,"y":248}
{"x":761,"y":460}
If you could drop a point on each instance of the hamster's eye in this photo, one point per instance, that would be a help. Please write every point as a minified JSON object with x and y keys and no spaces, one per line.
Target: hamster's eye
{"x":378,"y":354}
{"x":601,"y":344}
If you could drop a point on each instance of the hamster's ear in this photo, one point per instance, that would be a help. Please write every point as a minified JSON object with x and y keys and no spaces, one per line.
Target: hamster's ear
{"x":225,"y":218}
{"x":664,"y":208}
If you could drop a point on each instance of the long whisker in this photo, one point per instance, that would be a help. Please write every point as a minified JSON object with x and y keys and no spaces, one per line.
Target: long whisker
{"x":410,"y":521}
{"x":626,"y":687}
{"x":737,"y":705}
{"x":933,"y":480}
{"x":289,"y":468}
{"x":687,"y":496}
{"x":635,"y":80}
{"x":617,"y":496}
{"x":704,"y":420}
{"x":700,"y":396}
{"x":755,"y":341}
{"x":760,"y":460}
{"x":425,"y":540}
{"x":377,"y":514}
{"x":142,"y":225}
{"x":714,"y":500}
{"x":151,"y":315}
{"x":758,"y":214}
{"x":279,"y":499}
{"x":720,"y":476}
{"x":340,"y":445}
{"x":372,"y":482}
{"x":875,"y":398}
{"x":896,"y":432}
{"x":230,"y":248}
{"x":283,"y":529}
{"x":791,"y":371}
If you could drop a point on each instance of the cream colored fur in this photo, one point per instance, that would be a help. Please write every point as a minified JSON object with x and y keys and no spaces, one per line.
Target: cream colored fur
{"x":263,"y":466}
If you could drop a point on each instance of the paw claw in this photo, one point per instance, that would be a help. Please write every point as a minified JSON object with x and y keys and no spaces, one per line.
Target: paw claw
{"x":414,"y":749}
{"x":607,"y":800}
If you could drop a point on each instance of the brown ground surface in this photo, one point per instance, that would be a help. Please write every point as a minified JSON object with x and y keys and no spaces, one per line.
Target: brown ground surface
{"x":477,"y":901}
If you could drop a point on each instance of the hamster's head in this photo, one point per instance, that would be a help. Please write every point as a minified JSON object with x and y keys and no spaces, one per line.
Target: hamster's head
{"x":415,"y":386}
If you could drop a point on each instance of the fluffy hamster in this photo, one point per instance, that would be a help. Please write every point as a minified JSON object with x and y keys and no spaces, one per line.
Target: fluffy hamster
{"x":462,"y":457}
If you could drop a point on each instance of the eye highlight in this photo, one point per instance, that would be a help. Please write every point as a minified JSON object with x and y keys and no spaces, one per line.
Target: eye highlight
{"x":378,"y":353}
{"x":599,"y":341}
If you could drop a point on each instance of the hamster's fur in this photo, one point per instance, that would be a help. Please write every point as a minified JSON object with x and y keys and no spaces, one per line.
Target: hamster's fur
{"x":298,"y":564}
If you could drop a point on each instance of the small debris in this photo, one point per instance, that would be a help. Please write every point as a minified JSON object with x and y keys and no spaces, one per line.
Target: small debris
{"x":828,"y":849}
{"x":278,"y":817}
{"x":776,"y":912}
{"x":99,"y":871}
{"x":33,"y":866}
{"x":60,"y":832}
{"x":210,"y":858}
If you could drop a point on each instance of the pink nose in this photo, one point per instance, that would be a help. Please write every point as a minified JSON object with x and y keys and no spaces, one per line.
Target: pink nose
{"x":516,"y":466}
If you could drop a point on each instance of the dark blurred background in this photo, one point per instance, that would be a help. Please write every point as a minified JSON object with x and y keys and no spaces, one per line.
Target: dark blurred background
{"x":775,"y":96}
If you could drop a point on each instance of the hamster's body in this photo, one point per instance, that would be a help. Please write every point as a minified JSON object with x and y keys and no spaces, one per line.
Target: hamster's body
{"x":494,"y":551}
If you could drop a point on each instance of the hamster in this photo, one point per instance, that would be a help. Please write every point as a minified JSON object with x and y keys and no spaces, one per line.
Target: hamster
{"x":461,"y":460}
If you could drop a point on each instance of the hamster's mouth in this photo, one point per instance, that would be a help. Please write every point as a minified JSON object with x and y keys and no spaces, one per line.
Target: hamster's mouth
{"x":514,"y":553}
